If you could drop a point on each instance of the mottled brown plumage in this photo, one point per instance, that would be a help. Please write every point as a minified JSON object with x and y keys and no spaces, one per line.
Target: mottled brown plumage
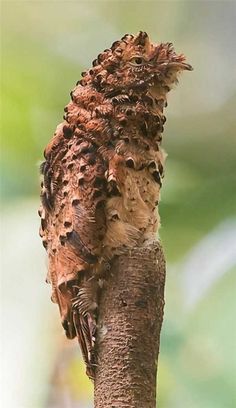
{"x":102,"y":175}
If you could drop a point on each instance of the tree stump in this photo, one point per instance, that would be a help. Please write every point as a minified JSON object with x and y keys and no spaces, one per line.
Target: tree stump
{"x":129,"y":326}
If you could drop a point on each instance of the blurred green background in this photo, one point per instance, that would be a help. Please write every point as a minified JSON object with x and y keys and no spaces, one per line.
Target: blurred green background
{"x":44,"y":47}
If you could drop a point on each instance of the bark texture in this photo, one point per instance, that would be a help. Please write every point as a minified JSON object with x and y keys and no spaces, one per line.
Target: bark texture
{"x":130,"y":320}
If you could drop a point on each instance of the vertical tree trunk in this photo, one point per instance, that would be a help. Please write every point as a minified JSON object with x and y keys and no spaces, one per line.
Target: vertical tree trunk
{"x":130,"y":319}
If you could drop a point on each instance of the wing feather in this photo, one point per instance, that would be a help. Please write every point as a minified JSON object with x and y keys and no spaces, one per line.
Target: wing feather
{"x":73,"y":225}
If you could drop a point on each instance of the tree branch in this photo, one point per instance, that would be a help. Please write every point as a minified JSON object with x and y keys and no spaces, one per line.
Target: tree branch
{"x":130,"y":320}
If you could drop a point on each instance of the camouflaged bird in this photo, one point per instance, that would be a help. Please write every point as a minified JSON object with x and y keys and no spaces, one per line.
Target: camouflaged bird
{"x":102,"y":175}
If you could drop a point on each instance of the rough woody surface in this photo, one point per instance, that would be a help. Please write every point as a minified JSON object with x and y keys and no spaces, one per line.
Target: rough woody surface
{"x":130,"y":319}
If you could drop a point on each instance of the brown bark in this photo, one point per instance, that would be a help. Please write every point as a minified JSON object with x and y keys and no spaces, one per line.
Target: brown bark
{"x":130,"y":319}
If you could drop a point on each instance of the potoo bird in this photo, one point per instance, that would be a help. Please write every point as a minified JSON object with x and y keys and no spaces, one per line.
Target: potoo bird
{"x":102,"y":175}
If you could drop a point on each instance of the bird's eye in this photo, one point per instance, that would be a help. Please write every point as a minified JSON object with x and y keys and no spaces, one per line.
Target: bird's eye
{"x":137,"y":61}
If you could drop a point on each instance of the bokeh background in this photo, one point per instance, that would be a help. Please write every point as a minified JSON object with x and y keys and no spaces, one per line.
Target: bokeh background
{"x":44,"y":47}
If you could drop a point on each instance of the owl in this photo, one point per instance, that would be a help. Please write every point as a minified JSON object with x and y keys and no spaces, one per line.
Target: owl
{"x":102,"y":175}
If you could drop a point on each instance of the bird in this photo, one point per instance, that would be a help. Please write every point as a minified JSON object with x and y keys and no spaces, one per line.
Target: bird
{"x":102,"y":175}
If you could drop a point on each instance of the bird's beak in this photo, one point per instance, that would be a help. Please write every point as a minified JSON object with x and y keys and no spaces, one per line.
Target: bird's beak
{"x":177,"y":65}
{"x":164,"y":56}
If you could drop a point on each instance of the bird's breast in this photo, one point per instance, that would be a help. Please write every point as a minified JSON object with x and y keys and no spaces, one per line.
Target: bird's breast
{"x":131,"y":214}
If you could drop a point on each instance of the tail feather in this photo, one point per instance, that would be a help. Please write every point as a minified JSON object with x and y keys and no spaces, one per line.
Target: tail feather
{"x":77,"y":303}
{"x":85,"y":337}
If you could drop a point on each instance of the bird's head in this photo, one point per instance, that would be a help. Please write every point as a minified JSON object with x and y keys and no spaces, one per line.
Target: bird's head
{"x":135,"y":63}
